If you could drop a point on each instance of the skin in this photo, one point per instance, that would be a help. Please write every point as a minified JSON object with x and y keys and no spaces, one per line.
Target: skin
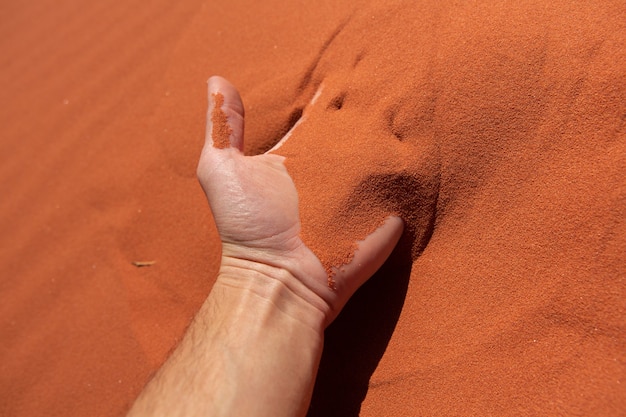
{"x":254,"y":347}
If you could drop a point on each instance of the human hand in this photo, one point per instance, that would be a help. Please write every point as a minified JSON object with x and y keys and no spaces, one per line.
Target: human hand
{"x":255,"y":207}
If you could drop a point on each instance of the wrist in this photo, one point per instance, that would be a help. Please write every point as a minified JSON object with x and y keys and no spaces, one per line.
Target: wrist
{"x":257,"y":287}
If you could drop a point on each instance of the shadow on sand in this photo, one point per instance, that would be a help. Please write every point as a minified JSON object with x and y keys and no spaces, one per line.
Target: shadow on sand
{"x":357,"y":339}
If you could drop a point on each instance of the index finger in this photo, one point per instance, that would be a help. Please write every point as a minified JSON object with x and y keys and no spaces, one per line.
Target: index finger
{"x":225,"y":115}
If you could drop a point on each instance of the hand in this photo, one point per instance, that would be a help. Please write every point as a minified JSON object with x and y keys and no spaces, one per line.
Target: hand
{"x":255,"y":207}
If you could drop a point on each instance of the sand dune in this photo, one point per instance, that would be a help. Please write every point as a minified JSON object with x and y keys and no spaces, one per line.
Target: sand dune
{"x":495,"y":130}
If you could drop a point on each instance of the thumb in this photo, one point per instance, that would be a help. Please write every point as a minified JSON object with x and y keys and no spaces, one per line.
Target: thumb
{"x":370,"y":255}
{"x":225,"y":115}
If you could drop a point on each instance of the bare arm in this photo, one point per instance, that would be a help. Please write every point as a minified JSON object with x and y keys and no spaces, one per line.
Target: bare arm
{"x":254,"y":347}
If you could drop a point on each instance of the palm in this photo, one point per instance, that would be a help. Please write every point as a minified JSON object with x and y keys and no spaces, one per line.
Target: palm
{"x":253,"y":199}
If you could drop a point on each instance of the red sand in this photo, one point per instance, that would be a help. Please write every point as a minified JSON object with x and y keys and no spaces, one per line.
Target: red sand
{"x":221,"y":130}
{"x":496,"y":130}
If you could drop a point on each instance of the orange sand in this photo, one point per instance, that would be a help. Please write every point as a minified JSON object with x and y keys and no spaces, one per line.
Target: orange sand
{"x":221,"y":130}
{"x":495,"y":129}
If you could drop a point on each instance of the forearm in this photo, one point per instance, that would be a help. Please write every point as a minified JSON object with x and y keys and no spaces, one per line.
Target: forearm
{"x":253,"y":349}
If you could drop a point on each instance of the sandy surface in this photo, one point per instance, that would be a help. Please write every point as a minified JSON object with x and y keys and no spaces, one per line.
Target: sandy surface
{"x":496,"y":131}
